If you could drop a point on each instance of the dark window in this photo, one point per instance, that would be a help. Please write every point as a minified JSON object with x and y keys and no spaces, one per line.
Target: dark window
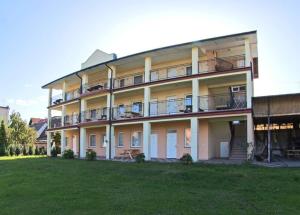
{"x":122,"y":83}
{"x":188,"y":70}
{"x":138,"y":79}
{"x":93,"y":113}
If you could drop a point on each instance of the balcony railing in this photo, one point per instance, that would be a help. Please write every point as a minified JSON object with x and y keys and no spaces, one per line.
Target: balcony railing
{"x":94,"y":115}
{"x":170,"y":72}
{"x":222,"y":64}
{"x":95,"y":86}
{"x":73,"y":94}
{"x":223,"y":102}
{"x":170,"y":106}
{"x":128,"y":111}
{"x":72,"y":119}
{"x":57,"y":99}
{"x":129,"y":80}
{"x":55,"y":122}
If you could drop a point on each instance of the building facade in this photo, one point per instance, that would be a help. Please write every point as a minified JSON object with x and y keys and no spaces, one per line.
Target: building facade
{"x":4,"y":114}
{"x":191,"y":98}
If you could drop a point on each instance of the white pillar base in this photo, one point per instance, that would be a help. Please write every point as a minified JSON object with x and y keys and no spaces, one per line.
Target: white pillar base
{"x":194,"y":138}
{"x":63,"y":142}
{"x":146,"y":140}
{"x":110,"y":148}
{"x":250,"y":137}
{"x":48,"y":143}
{"x":195,"y":95}
{"x":82,"y":143}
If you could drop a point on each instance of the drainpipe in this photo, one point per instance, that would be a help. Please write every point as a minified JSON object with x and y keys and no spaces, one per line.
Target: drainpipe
{"x":79,"y":115}
{"x":110,"y":108}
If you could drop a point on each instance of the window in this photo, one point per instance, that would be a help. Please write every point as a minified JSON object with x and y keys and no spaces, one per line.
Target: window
{"x":236,"y":89}
{"x":187,"y":137}
{"x":122,"y":83}
{"x":172,"y":73}
{"x":92,"y":142}
{"x":188,"y":70}
{"x":103,"y":140}
{"x":154,"y":76}
{"x":136,"y":139}
{"x":138,"y":79}
{"x":93,"y":114}
{"x":188,"y":103}
{"x":121,"y":109}
{"x":66,"y":141}
{"x":120,"y":139}
{"x":137,"y":107}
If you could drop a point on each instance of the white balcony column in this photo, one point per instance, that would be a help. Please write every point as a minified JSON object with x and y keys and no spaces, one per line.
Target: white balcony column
{"x":110,"y":105}
{"x":147,"y":69}
{"x":82,"y":143}
{"x":195,"y":94}
{"x":110,"y":142}
{"x":111,"y":74}
{"x":249,"y":87}
{"x":247,"y":53}
{"x":50,"y":97}
{"x":194,"y":138}
{"x":85,"y":81}
{"x":63,"y":142}
{"x":147,"y":93}
{"x":195,"y":59}
{"x":64,"y":90}
{"x":146,"y":140}
{"x":250,"y":136}
{"x":48,"y":143}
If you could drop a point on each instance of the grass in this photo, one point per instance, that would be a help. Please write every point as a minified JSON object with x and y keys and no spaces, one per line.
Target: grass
{"x":40,"y":185}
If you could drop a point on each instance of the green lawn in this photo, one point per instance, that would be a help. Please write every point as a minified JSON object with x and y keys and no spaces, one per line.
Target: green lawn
{"x":56,"y":186}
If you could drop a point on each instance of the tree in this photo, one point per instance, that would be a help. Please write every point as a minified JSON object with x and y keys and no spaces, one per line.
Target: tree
{"x":3,"y":139}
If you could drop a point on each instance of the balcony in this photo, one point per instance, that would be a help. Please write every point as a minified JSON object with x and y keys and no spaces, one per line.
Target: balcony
{"x":171,"y":106}
{"x":70,"y":120}
{"x":130,"y":80}
{"x":55,"y":122}
{"x":73,"y":94}
{"x":57,"y":99}
{"x":93,"y":115}
{"x":170,"y":72}
{"x":222,"y":64}
{"x":226,"y":101}
{"x":94,"y":86}
{"x":135,"y":110}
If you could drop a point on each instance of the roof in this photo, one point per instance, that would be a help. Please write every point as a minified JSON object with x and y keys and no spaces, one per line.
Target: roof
{"x":5,"y":107}
{"x":153,"y":50}
{"x":276,"y":96}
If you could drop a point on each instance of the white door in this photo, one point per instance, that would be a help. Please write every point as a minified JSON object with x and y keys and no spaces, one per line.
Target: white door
{"x":224,"y":150}
{"x":153,"y":107}
{"x":153,"y":147}
{"x":171,"y":105}
{"x":171,"y":143}
{"x":74,"y":143}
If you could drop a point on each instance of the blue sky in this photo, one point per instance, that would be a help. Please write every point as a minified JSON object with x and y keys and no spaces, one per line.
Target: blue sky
{"x":44,"y":40}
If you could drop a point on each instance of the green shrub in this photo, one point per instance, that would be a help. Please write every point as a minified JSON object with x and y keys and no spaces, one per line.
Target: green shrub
{"x":24,"y":151}
{"x":68,"y":154}
{"x":90,"y":155}
{"x":17,"y":151}
{"x":186,"y":159}
{"x":43,"y":151}
{"x":30,"y":150}
{"x":11,"y":150}
{"x":53,"y":152}
{"x":140,"y":158}
{"x":2,"y":149}
{"x":36,"y":151}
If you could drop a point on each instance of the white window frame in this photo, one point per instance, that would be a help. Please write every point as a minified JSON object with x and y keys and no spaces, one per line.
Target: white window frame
{"x":141,"y":141}
{"x":90,"y":140}
{"x":185,"y":139}
{"x":118,"y":144}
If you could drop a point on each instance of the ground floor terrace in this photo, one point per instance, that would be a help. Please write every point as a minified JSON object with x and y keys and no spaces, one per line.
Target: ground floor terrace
{"x":228,"y":137}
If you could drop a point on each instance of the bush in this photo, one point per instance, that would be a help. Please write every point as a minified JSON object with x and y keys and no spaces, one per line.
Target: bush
{"x":68,"y":154}
{"x":90,"y":155}
{"x":30,"y":150}
{"x":42,"y":151}
{"x":17,"y":151}
{"x":36,"y":151}
{"x":53,"y":152}
{"x":11,"y":150}
{"x":24,"y":151}
{"x":140,"y":158}
{"x":186,"y":159}
{"x":2,"y":149}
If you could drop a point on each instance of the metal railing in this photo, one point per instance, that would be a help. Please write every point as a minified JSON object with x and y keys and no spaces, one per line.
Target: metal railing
{"x":128,"y":111}
{"x":130,"y":80}
{"x":72,"y":94}
{"x":57,"y":99}
{"x":170,"y":106}
{"x":170,"y":72}
{"x":95,"y":86}
{"x":55,"y":122}
{"x":72,"y":119}
{"x":227,"y":101}
{"x":94,"y":115}
{"x":222,"y":64}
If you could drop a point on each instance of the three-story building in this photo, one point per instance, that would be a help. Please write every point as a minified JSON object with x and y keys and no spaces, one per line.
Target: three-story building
{"x":191,"y":98}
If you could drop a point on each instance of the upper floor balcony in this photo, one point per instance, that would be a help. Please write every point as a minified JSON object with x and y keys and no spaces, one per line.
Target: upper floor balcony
{"x":69,"y":95}
{"x":94,"y":86}
{"x":55,"y":122}
{"x":72,"y":119}
{"x":93,"y":115}
{"x":136,"y":110}
{"x":128,"y":80}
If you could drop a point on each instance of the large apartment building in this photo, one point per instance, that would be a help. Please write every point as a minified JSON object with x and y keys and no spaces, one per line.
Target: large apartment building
{"x":4,"y":112}
{"x":194,"y":98}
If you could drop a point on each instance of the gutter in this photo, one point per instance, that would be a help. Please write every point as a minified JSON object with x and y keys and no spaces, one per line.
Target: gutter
{"x":79,"y":114}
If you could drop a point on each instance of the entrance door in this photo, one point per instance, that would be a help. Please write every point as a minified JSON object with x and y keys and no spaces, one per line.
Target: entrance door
{"x":171,"y":143}
{"x":74,"y":143}
{"x":153,"y":147}
{"x":224,"y":150}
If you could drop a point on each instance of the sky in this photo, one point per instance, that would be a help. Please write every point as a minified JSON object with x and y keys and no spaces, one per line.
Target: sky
{"x":41,"y":41}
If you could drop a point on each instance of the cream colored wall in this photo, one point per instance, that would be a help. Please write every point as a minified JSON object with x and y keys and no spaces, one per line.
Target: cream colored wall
{"x":179,"y":92}
{"x":203,"y":141}
{"x":97,"y":103}
{"x":71,"y":87}
{"x":74,"y":108}
{"x":98,"y":77}
{"x":161,"y":129}
{"x":127,"y":132}
{"x":129,"y":72}
{"x":128,"y":100}
{"x":4,"y":115}
{"x":99,"y":149}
